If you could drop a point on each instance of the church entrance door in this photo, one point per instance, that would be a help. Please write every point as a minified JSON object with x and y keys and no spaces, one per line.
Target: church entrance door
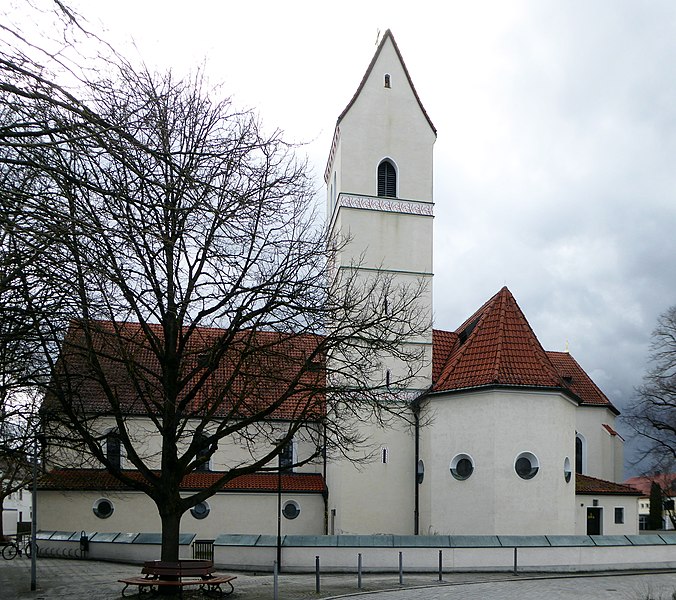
{"x":594,"y":520}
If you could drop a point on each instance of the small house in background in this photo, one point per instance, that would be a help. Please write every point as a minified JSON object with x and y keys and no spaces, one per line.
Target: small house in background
{"x":667,"y":484}
{"x":17,"y":513}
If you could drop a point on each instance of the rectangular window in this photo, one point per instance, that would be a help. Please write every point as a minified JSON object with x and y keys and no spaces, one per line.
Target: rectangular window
{"x":619,"y":515}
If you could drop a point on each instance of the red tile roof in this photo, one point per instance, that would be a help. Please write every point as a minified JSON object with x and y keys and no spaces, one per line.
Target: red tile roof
{"x":667,"y":481}
{"x":584,"y":484}
{"x":496,"y":346}
{"x":578,"y":382}
{"x":443,"y":343}
{"x":101,"y":480}
{"x":250,"y":371}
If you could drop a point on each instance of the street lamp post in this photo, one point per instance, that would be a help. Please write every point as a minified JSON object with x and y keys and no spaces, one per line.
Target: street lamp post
{"x":34,"y":520}
{"x":279,"y":514}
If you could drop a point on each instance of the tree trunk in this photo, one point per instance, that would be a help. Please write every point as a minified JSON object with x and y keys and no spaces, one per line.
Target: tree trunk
{"x":171,"y":525}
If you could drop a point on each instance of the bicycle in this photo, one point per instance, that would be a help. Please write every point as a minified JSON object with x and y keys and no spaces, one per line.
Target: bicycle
{"x":12,"y":548}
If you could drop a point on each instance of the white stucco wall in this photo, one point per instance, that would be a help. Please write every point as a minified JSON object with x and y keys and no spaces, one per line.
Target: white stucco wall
{"x":135,"y":512}
{"x":369,"y":496}
{"x":389,"y":240}
{"x":493,"y":427}
{"x":231,"y":452}
{"x":605,"y":454}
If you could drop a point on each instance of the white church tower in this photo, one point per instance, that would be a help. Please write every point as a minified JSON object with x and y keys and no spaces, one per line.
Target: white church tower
{"x":379,"y":196}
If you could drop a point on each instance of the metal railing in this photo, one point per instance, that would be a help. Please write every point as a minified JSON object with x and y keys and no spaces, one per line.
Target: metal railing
{"x":203,"y":549}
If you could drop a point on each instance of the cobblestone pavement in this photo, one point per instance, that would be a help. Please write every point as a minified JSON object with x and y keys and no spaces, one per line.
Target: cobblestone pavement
{"x":94,"y":580}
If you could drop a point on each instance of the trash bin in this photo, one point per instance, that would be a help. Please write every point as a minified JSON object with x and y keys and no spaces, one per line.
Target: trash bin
{"x":84,"y":542}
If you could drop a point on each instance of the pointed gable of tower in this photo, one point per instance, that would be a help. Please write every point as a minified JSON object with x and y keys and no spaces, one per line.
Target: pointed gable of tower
{"x":387,"y":38}
{"x":496,"y":346}
{"x":385,"y":121}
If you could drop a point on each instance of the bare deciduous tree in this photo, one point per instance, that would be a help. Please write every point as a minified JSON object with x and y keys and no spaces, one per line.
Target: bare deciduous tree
{"x":178,"y":246}
{"x":653,"y":414}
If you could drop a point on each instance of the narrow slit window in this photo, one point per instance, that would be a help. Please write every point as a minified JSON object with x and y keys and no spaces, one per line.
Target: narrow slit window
{"x":384,"y":455}
{"x":387,"y":80}
{"x":387,"y":179}
{"x":114,"y":449}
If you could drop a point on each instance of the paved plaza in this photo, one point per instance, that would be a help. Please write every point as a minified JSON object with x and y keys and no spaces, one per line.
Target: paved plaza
{"x":94,"y":580}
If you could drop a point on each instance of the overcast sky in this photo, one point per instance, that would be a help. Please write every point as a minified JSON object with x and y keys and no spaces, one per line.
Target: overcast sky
{"x":555,"y":163}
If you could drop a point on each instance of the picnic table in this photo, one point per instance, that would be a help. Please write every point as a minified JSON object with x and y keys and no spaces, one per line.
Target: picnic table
{"x":181,"y":573}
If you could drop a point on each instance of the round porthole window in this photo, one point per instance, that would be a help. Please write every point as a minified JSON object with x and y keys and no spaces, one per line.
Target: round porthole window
{"x":462,"y":466}
{"x":291,"y":509}
{"x":201,"y":510}
{"x":526,"y":465}
{"x":103,"y":508}
{"x":567,"y":472}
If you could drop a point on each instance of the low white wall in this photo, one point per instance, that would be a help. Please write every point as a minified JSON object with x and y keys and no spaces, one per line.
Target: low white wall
{"x":585,"y":557}
{"x":344,"y":559}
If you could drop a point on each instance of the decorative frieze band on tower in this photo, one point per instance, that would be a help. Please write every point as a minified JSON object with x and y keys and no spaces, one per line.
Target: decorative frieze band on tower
{"x":394,"y":205}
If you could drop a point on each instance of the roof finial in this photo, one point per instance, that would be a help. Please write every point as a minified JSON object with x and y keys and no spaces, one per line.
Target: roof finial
{"x":567,"y":348}
{"x":378,"y":37}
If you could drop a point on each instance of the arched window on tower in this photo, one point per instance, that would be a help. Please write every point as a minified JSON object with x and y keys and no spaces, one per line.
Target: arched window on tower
{"x":387,"y":179}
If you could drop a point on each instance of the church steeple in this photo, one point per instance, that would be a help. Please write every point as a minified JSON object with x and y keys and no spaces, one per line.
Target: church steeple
{"x":379,"y":180}
{"x":380,"y":210}
{"x":384,"y":123}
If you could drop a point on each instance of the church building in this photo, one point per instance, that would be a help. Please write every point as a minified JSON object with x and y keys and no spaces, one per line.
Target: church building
{"x":507,"y":437}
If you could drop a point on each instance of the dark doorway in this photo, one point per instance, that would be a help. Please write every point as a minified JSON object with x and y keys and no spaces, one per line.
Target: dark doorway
{"x":594,"y":520}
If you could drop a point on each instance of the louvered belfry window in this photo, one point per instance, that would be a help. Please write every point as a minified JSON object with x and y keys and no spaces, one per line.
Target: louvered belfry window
{"x":387,"y":179}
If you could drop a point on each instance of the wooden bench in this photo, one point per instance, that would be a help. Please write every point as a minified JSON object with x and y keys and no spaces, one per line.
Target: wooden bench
{"x":182,"y":573}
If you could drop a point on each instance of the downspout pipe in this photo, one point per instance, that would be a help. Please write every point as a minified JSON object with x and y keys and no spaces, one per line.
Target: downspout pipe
{"x":416,"y":407}
{"x":416,"y":417}
{"x":325,"y":492}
